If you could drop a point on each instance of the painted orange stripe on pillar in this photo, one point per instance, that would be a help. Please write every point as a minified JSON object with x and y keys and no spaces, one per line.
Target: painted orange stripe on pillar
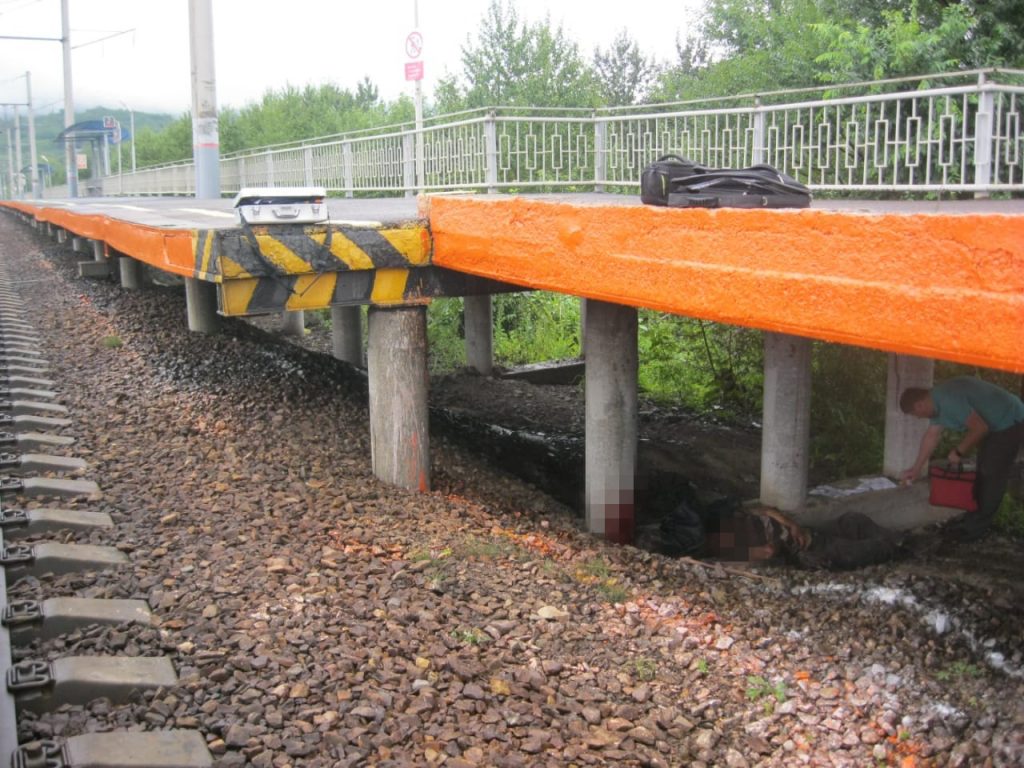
{"x":941,"y":285}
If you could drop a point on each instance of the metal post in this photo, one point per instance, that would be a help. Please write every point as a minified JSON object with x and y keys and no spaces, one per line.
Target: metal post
{"x":348,"y":168}
{"x":600,"y":157}
{"x":33,"y":156}
{"x":420,"y":173}
{"x":983,"y":123}
{"x":205,"y":130}
{"x":491,"y":147}
{"x":70,"y":160}
{"x":307,"y":167}
{"x":758,"y":151}
{"x":409,"y":165}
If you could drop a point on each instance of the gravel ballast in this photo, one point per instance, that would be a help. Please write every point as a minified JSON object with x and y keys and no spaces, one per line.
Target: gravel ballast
{"x":318,"y":617}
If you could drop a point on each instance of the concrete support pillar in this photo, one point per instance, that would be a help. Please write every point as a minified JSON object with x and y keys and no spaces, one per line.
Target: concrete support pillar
{"x":478,"y":320}
{"x":786,"y":430}
{"x":347,"y":334}
{"x":131,"y":278}
{"x":397,"y":372}
{"x":293,"y":323}
{"x":98,"y":253}
{"x":611,"y":420}
{"x":583,"y":327}
{"x":62,"y":235}
{"x":201,"y":303}
{"x":78,"y":244}
{"x":902,"y":432}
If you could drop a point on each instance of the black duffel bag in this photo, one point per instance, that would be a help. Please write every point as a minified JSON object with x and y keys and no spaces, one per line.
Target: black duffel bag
{"x":680,"y":183}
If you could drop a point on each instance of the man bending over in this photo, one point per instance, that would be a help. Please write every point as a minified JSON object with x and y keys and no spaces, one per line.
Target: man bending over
{"x":993,"y":422}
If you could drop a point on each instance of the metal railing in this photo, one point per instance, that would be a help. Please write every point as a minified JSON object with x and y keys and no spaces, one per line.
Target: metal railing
{"x":958,"y":132}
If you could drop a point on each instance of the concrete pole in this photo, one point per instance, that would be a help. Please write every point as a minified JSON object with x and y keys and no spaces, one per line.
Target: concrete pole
{"x":397,"y":373}
{"x":786,"y":430}
{"x":293,"y":323}
{"x":205,"y":129}
{"x":902,"y":432}
{"x":478,"y":319}
{"x":611,"y":420}
{"x":98,"y":253}
{"x":201,"y":303}
{"x":347,"y":334}
{"x":130,"y":277}
{"x":70,"y":162}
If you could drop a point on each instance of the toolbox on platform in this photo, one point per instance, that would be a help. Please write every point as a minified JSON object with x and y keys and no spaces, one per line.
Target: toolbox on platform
{"x":282,"y":205}
{"x":952,"y":487}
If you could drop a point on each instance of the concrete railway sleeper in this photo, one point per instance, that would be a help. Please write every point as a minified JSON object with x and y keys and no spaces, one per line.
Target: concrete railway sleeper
{"x":34,"y":685}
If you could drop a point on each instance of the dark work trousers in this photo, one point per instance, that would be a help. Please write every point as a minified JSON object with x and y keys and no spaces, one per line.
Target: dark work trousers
{"x":854,"y":540}
{"x":996,"y":455}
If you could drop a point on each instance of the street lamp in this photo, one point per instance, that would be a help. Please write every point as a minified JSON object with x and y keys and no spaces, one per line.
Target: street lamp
{"x":131,"y":128}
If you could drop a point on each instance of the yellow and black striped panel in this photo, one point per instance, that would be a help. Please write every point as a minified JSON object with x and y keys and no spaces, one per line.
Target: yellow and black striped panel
{"x":261,"y":295}
{"x":303,"y":249}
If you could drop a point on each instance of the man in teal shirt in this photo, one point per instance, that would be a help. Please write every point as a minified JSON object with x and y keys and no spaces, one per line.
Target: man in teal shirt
{"x":993,"y":420}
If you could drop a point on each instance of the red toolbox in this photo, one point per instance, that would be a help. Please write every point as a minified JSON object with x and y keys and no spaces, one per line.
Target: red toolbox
{"x":952,"y":487}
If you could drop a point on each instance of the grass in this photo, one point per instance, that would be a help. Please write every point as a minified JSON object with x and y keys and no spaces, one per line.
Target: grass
{"x":1009,"y":517}
{"x":957,"y":671}
{"x":759,"y":689}
{"x":497,"y":548}
{"x":112,"y":342}
{"x":645,"y":669}
{"x":471,"y":636}
{"x":598,"y":572}
{"x":702,"y":666}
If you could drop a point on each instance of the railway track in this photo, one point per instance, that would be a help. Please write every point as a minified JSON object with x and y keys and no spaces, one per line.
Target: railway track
{"x":39,"y":472}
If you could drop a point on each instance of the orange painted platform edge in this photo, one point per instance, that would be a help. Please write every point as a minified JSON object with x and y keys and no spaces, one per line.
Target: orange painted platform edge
{"x":166,"y":249}
{"x":934,"y":285}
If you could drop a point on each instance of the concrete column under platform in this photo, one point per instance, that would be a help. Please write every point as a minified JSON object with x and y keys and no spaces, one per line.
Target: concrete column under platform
{"x":478,"y":319}
{"x":397,"y":372}
{"x":347,"y":334}
{"x":98,"y":251}
{"x":902,"y":432}
{"x":201,"y":304}
{"x":293,"y":323}
{"x":786,"y":423}
{"x":611,"y":419}
{"x":131,"y":278}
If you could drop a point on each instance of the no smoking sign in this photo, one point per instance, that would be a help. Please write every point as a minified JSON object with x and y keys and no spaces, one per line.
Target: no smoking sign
{"x":414,"y":45}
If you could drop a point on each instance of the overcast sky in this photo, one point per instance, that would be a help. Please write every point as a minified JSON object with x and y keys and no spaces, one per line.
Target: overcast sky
{"x":261,"y":44}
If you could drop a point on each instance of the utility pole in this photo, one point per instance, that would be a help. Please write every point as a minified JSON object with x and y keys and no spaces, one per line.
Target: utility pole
{"x":70,"y":161}
{"x":18,"y":188}
{"x":205,"y":130}
{"x":33,"y":157}
{"x":420,"y":180}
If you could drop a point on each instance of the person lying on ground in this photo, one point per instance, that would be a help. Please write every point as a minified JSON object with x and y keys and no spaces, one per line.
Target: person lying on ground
{"x":735,"y":533}
{"x":993,"y":422}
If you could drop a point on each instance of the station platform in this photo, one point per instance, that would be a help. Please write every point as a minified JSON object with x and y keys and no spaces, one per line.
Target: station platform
{"x":935,"y":279}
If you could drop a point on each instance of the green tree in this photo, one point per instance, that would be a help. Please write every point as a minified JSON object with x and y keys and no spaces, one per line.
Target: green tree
{"x":904,"y":43}
{"x":624,"y":74}
{"x":512,"y":63}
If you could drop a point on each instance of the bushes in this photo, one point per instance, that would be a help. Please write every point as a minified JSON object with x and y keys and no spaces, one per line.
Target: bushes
{"x":705,"y":367}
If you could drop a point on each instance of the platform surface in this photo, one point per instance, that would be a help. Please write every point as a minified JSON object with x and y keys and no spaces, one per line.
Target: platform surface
{"x":940,"y":279}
